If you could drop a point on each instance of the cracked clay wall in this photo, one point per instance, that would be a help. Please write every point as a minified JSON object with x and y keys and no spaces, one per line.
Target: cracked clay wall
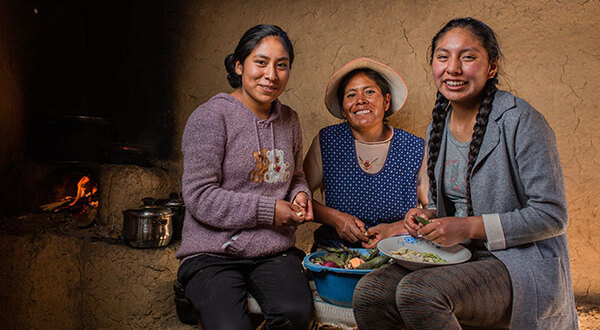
{"x":551,"y":56}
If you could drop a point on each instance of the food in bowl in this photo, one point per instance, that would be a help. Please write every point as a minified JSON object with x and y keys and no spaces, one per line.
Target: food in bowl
{"x":453,"y":254}
{"x":334,"y":284}
{"x":419,"y":256}
{"x":351,"y":259}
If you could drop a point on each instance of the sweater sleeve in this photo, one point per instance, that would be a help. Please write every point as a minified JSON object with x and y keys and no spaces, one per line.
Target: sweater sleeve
{"x":545,"y":212}
{"x":203,"y":145}
{"x":298,"y":183}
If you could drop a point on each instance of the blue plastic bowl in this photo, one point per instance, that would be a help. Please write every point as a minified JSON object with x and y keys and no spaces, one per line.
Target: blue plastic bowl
{"x":335,"y":285}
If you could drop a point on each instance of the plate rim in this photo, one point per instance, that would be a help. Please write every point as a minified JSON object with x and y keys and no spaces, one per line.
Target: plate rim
{"x":417,"y":263}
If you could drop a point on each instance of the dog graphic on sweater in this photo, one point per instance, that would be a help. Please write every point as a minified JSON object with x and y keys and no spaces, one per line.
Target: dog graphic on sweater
{"x":270,"y":166}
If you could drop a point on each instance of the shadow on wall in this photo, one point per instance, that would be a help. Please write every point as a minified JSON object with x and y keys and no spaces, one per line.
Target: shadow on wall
{"x":93,"y":81}
{"x":98,"y":60}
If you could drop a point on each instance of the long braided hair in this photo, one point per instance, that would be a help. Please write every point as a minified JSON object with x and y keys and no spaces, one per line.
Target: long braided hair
{"x":486,"y":36}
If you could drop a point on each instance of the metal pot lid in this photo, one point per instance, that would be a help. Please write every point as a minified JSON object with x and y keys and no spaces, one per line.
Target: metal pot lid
{"x":174,"y":203}
{"x":151,"y":211}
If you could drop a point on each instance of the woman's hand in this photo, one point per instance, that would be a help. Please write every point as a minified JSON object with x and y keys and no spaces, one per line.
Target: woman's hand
{"x":450,"y":231}
{"x":350,"y":228}
{"x":305,"y":203}
{"x":410,"y":222}
{"x":381,"y":231}
{"x":286,"y":214}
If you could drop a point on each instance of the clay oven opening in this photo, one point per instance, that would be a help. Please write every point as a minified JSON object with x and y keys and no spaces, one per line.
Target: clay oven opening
{"x":77,"y":196}
{"x":98,"y":86}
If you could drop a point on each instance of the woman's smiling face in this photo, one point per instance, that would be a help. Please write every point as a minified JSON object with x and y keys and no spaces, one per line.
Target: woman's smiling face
{"x":461,"y":67}
{"x":364,"y":105}
{"x":265,"y":73}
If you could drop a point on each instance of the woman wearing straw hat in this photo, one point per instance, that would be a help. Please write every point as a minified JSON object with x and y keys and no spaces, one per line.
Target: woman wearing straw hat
{"x":368,"y":171}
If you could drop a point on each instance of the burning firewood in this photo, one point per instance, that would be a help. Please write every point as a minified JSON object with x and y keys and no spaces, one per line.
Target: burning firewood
{"x":51,"y":206}
{"x":83,"y":206}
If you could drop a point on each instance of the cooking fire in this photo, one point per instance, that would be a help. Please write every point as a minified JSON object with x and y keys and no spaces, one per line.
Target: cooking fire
{"x":83,"y":206}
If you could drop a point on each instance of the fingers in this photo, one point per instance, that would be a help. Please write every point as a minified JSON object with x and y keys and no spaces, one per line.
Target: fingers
{"x":305,"y":203}
{"x":370,"y":245}
{"x":301,"y":199}
{"x":351,"y":231}
{"x":360,"y":235}
{"x":308,"y":212}
{"x":434,"y":232}
{"x":411,"y":226}
{"x":359,"y":224}
{"x":429,"y":232}
{"x":356,"y":234}
{"x":287,"y":214}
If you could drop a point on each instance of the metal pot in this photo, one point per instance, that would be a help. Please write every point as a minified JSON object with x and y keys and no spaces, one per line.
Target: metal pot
{"x":178,"y":207}
{"x":148,"y":227}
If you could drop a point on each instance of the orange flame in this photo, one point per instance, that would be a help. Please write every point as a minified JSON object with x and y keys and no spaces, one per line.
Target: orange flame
{"x":83,"y":190}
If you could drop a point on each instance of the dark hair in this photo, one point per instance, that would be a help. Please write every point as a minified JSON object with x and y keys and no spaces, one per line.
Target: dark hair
{"x":487,"y":38}
{"x":374,"y":75}
{"x":248,"y":43}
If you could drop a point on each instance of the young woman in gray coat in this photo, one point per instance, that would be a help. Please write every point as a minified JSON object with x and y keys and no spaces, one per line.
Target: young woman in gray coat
{"x":496,"y":186}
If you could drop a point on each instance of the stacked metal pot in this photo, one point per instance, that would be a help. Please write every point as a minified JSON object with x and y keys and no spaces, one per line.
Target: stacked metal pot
{"x":155,"y":224}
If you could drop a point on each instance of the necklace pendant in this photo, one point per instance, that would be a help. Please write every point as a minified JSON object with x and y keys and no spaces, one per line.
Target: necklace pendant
{"x":367,"y":164}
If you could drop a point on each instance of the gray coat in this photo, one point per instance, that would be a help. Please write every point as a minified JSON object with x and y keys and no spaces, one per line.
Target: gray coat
{"x":517,"y":182}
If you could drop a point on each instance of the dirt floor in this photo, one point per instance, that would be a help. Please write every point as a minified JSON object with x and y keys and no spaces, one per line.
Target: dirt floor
{"x":589,"y":317}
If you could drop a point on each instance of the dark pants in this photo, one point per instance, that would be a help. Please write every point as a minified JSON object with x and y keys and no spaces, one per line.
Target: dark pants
{"x":218,"y":288}
{"x":474,"y":294}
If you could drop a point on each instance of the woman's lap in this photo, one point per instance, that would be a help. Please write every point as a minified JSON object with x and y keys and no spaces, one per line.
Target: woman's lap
{"x":476,"y":293}
{"x":218,"y":289}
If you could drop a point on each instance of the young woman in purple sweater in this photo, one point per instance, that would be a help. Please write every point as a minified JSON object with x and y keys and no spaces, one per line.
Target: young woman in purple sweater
{"x":245,"y":194}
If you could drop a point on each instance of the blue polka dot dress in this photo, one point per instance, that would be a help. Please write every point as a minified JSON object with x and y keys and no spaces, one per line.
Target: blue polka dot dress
{"x":383,"y":197}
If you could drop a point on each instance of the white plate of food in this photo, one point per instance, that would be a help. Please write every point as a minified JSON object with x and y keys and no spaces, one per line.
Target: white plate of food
{"x":415,"y":253}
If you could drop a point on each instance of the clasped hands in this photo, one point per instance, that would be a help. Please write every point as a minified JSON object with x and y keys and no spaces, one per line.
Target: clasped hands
{"x":297,"y":212}
{"x":447,"y":231}
{"x":353,"y":230}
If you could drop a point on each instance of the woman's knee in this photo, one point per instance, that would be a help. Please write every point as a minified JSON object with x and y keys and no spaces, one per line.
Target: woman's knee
{"x":377,"y":286}
{"x":417,"y":289}
{"x":362,"y":293}
{"x":222,"y":318}
{"x":292,"y":315}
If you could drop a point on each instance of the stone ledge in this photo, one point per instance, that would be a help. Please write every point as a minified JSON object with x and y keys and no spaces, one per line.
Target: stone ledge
{"x":53,"y":281}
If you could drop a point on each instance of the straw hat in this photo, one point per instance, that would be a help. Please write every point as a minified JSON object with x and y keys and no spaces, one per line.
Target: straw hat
{"x":398,"y":88}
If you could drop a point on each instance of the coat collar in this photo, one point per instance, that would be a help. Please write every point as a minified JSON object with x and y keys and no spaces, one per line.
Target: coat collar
{"x":503,"y":101}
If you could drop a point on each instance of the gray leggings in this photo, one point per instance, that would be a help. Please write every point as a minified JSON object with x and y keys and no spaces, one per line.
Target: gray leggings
{"x":473,"y":294}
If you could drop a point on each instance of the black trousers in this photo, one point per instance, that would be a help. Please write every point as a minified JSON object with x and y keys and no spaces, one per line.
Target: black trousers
{"x":218,"y":288}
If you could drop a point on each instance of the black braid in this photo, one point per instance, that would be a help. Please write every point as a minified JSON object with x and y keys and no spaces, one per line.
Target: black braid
{"x":435,"y":139}
{"x":481,"y":121}
{"x":488,"y":40}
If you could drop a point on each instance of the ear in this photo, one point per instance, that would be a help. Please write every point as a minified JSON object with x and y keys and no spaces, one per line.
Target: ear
{"x":493,"y":69}
{"x":239,"y":68}
{"x":386,"y":102}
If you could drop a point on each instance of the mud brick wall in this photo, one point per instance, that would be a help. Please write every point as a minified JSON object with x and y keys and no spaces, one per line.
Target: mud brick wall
{"x":123,"y":186}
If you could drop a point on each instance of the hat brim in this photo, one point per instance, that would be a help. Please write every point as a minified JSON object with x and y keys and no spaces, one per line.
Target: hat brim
{"x":398,"y":88}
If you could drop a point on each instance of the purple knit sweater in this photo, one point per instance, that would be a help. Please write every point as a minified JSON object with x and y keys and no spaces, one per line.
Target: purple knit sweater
{"x":235,"y":166}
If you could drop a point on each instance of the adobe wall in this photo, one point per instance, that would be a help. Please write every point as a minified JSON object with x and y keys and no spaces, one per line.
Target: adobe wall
{"x":551,"y":60}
